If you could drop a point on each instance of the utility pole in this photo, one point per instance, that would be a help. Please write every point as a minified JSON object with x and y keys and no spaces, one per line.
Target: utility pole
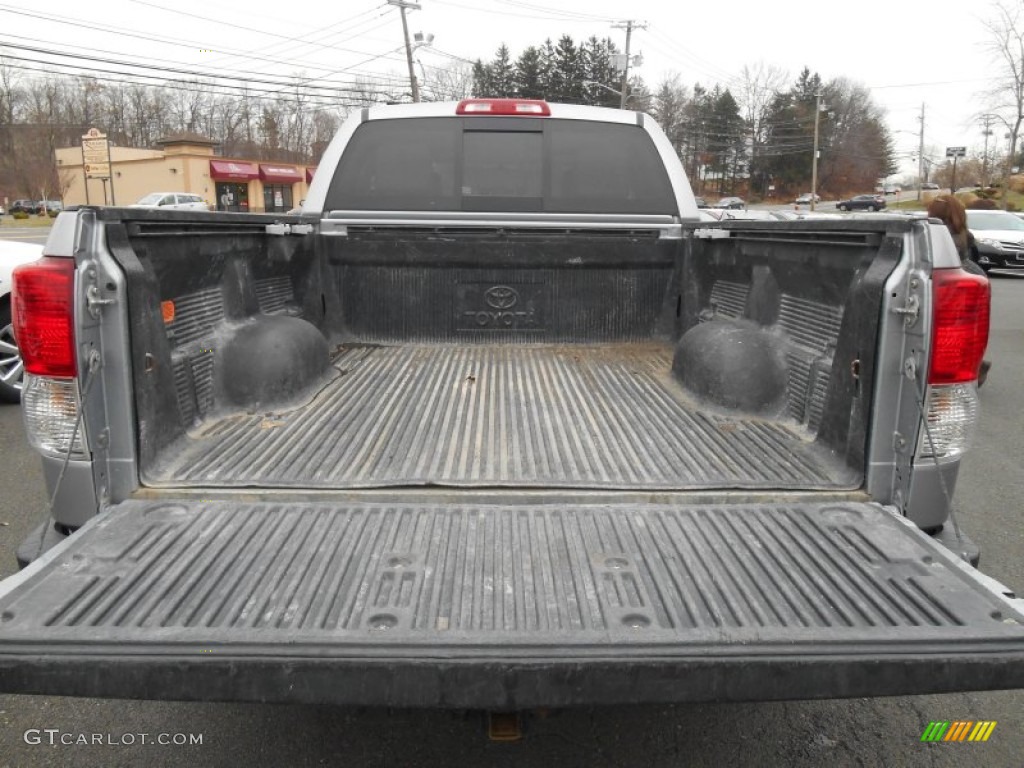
{"x":986,"y":121}
{"x":627,"y":25}
{"x":814,"y":161}
{"x":920,"y":154}
{"x":1010,"y":137}
{"x":402,"y":5}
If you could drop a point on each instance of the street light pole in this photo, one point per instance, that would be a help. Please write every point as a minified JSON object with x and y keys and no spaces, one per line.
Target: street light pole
{"x":605,"y":87}
{"x":920,"y":156}
{"x":814,"y":160}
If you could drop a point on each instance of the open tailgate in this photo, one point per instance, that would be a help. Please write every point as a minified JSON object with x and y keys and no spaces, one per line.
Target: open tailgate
{"x":503,"y":605}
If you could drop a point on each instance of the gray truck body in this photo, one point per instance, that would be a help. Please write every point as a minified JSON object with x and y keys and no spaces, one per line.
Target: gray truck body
{"x":502,"y":459}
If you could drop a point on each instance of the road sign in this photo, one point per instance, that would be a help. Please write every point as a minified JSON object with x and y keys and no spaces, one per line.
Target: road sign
{"x":96,"y":155}
{"x":956,"y":151}
{"x":97,"y":170}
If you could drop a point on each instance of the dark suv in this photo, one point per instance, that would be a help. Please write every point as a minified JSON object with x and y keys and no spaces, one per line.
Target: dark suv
{"x":24,"y":206}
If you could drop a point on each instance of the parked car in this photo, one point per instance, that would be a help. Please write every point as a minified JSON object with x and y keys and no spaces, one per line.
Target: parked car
{"x":862,"y":203}
{"x":998,"y":239}
{"x":24,"y":206}
{"x":731,"y":202}
{"x":805,"y":199}
{"x":175,"y":201}
{"x":748,"y":215}
{"x":12,"y":254}
{"x":701,"y":202}
{"x":930,"y":185}
{"x":49,"y":206}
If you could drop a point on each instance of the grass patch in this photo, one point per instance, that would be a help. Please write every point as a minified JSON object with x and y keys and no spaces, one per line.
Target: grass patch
{"x":7,"y":221}
{"x":907,"y":205}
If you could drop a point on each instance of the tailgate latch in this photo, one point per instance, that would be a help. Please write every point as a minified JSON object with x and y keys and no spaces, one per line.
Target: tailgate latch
{"x":94,"y":301}
{"x":912,"y":309}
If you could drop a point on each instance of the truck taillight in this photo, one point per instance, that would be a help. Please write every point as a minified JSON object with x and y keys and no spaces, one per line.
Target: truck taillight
{"x":50,"y":408}
{"x":960,"y":320}
{"x":505,"y":107}
{"x":961,"y":304}
{"x":43,"y":297}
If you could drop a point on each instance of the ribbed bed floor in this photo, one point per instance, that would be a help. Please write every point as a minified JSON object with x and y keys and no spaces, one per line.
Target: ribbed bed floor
{"x":527,"y":416}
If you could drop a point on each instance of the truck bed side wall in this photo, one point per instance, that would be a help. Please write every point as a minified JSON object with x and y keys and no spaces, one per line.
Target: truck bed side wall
{"x":817,"y":296}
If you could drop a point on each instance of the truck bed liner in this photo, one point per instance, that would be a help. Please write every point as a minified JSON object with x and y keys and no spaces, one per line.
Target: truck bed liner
{"x":502,"y":604}
{"x":586,"y":416}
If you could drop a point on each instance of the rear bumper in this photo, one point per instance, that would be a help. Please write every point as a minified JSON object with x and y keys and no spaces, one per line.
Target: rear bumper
{"x":42,"y":539}
{"x":503,"y":606}
{"x":459,"y":680}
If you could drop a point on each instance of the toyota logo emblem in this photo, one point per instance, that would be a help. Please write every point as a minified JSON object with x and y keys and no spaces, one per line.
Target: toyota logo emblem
{"x":501,"y":297}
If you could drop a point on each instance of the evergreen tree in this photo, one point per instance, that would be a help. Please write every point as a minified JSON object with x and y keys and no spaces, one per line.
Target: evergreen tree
{"x":483,"y":80}
{"x":528,"y":74}
{"x":495,"y":79}
{"x":567,"y":73}
{"x":599,"y":71}
{"x":502,"y":75}
{"x":547,"y":69}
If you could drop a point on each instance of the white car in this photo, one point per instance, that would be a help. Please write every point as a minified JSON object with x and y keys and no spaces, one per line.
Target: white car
{"x":174,"y":201}
{"x":998,"y":239}
{"x":12,"y":254}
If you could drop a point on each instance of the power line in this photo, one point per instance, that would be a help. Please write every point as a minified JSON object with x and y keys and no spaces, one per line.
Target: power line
{"x":551,"y":16}
{"x":282,"y":48}
{"x":567,"y":15}
{"x":207,"y":72}
{"x":161,"y":68}
{"x":215,"y":89}
{"x":178,"y":42}
{"x":675,"y":49}
{"x":235,"y":25}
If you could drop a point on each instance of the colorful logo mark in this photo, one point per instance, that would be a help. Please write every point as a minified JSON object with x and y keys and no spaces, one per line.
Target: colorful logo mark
{"x":958,"y":730}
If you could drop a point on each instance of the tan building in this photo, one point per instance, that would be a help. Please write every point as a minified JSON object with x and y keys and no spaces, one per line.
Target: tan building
{"x":186,"y":163}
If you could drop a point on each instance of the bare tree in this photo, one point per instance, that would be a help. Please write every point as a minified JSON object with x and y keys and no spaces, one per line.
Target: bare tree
{"x":669,"y":109}
{"x":1006,"y":44}
{"x":453,"y":82}
{"x":11,"y":96}
{"x":758,"y":90}
{"x":188,"y":104}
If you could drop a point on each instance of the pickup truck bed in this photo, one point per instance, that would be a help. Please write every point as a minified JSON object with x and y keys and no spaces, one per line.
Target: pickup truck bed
{"x":586,"y":416}
{"x":498,"y":423}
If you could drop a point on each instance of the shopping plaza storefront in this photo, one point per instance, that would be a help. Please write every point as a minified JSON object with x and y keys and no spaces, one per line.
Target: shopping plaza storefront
{"x":186,"y":163}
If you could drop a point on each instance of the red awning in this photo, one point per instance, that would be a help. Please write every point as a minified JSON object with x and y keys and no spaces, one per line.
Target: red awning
{"x":280,"y":174}
{"x":229,"y":169}
{"x":309,"y":175}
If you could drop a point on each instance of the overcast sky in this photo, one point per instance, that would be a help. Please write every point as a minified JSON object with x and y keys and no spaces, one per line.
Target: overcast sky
{"x":908,"y":52}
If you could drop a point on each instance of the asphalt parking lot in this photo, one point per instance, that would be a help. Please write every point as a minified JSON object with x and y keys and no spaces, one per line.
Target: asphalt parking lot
{"x":865,"y":732}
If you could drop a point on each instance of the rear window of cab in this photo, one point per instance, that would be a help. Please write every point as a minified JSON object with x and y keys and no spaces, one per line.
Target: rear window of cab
{"x":501,"y":164}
